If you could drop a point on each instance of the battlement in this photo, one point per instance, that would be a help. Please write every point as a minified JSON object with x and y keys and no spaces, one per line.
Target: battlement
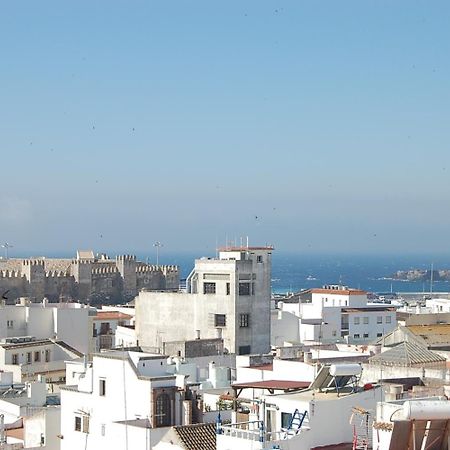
{"x":10,"y":274}
{"x":104,"y":270}
{"x":56,"y":273}
{"x":131,"y":258}
{"x":33,"y":262}
{"x":81,"y":262}
{"x":155,"y":268}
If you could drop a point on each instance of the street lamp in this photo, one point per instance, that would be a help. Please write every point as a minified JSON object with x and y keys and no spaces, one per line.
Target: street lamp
{"x":6,"y":246}
{"x":320,"y":339}
{"x":157,"y":245}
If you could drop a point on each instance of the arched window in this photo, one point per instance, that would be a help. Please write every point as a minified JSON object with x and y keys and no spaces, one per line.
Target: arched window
{"x":163,"y":413}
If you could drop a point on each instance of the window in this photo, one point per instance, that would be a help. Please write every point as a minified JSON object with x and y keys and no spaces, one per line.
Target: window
{"x":47,"y":355}
{"x":228,"y":288}
{"x":356,"y":320}
{"x":209,"y":288}
{"x":365,"y":320}
{"x":366,"y":335}
{"x":220,"y":320}
{"x":37,"y":356}
{"x":77,"y":423}
{"x":388,"y":319}
{"x":286,"y":419}
{"x":102,"y":387}
{"x":94,"y":330}
{"x":334,"y":333}
{"x":82,"y":423}
{"x":379,"y":334}
{"x":244,"y":320}
{"x":163,"y":413}
{"x":103,"y":429}
{"x":10,"y":323}
{"x":244,"y":288}
{"x":356,"y":336}
{"x":379,"y":319}
{"x":15,"y":359}
{"x":28,"y":357}
{"x":244,"y":350}
{"x":259,"y":259}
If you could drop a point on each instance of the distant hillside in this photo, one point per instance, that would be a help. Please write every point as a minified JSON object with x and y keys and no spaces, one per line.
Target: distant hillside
{"x":420,"y":275}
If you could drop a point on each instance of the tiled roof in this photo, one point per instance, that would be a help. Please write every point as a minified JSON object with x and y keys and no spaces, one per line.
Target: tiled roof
{"x":407,"y":354}
{"x":201,"y":436}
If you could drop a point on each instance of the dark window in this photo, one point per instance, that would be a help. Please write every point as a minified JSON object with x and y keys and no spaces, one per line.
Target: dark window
{"x":356,"y":336}
{"x":209,"y":288}
{"x":228,"y":288}
{"x":259,"y":259}
{"x":47,"y":355}
{"x":244,"y":288}
{"x":163,"y":410}
{"x":244,"y":350}
{"x":220,"y":320}
{"x":102,"y":387}
{"x":77,"y":423}
{"x":379,"y":334}
{"x":366,"y":335}
{"x":244,"y":320}
{"x":286,"y":419}
{"x":15,"y":359}
{"x":104,"y":328}
{"x":29,"y":358}
{"x":37,"y":356}
{"x":94,"y":330}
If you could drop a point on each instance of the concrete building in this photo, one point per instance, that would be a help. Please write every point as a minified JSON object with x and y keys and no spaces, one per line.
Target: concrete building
{"x":227,"y":297}
{"x":97,"y":279}
{"x":105,"y":325}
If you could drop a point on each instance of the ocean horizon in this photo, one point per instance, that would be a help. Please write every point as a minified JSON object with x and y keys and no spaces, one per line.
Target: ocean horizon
{"x":295,"y":271}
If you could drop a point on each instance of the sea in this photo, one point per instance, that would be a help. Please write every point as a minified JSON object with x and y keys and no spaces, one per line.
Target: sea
{"x":292,"y":272}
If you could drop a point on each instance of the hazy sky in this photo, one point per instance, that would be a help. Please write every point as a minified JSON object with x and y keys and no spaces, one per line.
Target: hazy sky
{"x":319,"y":126}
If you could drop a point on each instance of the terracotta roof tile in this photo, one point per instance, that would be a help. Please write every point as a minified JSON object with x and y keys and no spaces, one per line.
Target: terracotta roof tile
{"x":201,"y":436}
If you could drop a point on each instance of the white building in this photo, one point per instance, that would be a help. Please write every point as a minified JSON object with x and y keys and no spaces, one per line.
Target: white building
{"x":28,"y":358}
{"x":333,"y":313}
{"x":308,"y":419}
{"x":103,"y":399}
{"x":105,"y":324}
{"x":228,"y":297}
{"x":68,"y":322}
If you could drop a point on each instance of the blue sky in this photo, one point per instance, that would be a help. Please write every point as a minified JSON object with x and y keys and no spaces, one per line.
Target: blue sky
{"x":316,"y":126}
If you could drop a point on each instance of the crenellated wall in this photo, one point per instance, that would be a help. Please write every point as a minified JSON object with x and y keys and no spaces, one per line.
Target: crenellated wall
{"x":99,"y":280}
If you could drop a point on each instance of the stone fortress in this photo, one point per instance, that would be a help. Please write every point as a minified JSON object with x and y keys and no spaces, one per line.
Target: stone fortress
{"x":96,"y":279}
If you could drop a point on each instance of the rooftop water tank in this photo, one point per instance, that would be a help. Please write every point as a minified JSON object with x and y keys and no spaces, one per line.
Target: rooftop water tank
{"x":426,"y":410}
{"x":342,"y":370}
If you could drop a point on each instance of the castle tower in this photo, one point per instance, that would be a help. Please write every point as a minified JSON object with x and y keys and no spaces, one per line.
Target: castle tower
{"x":126,"y":265}
{"x":34,"y":272}
{"x":81,"y":270}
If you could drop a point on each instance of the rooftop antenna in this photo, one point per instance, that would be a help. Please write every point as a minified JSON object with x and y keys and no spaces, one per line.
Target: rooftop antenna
{"x":157,"y":245}
{"x":6,"y":246}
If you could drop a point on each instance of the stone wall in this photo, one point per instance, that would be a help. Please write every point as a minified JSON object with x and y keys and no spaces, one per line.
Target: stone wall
{"x":98,"y":281}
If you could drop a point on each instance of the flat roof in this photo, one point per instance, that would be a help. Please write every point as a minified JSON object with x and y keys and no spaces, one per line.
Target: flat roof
{"x":112,"y":315}
{"x":244,"y":249}
{"x":370,"y":309}
{"x":338,"y":291}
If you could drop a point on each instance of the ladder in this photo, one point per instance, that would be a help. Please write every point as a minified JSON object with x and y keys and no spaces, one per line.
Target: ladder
{"x":296,"y":422}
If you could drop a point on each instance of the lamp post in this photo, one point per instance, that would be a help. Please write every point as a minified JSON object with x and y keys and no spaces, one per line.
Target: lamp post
{"x":320,"y":340}
{"x":6,"y":246}
{"x":157,"y":245}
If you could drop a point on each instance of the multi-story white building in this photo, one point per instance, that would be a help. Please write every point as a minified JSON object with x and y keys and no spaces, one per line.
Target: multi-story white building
{"x":68,"y":322}
{"x":103,"y":400}
{"x":28,"y":357}
{"x":331,"y":314}
{"x":228,"y":297}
